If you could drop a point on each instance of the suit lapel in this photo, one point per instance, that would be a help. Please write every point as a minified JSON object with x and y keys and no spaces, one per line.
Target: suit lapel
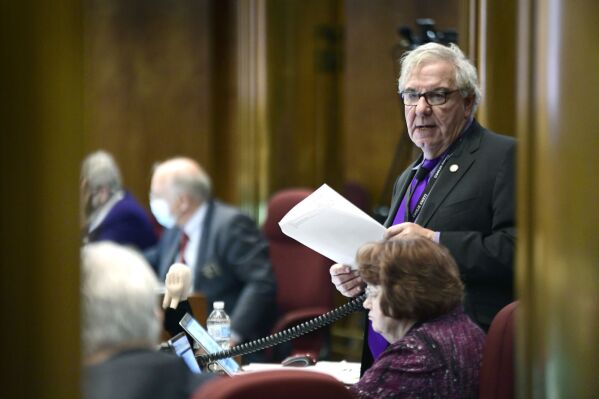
{"x":204,"y":237}
{"x":171,"y":252}
{"x":462,"y":158}
{"x":403,"y":182}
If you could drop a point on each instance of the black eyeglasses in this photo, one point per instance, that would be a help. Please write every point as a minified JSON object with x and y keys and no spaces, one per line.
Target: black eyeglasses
{"x":432,"y":98}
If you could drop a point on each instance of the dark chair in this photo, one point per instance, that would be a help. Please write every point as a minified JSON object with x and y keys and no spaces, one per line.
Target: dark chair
{"x":497,"y":370}
{"x":357,"y":195}
{"x":277,"y":384}
{"x":304,"y":288}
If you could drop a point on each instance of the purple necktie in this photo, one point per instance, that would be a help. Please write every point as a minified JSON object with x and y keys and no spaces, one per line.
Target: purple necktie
{"x":376,"y":342}
{"x":418,"y":185}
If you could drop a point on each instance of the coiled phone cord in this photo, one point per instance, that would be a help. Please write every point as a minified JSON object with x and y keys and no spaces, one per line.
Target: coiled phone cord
{"x":285,"y":335}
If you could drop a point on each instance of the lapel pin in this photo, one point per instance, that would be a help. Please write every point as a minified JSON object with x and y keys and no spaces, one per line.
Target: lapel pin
{"x":454,"y":168}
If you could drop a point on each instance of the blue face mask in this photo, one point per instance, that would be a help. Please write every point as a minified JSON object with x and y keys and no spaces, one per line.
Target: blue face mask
{"x":162,"y":213}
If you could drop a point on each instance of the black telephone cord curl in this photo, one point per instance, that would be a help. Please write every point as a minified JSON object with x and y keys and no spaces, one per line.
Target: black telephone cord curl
{"x":285,"y":335}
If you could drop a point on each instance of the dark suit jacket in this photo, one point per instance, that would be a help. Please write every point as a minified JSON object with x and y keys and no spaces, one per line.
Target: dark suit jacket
{"x":141,"y":374}
{"x":127,"y":223}
{"x":232,"y":266}
{"x":473,"y":209}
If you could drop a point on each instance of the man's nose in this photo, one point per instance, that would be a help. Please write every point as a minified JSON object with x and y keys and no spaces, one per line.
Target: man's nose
{"x":422,"y":106}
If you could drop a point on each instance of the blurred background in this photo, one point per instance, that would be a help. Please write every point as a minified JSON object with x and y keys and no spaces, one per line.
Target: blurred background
{"x":266,"y":95}
{"x":270,"y":94}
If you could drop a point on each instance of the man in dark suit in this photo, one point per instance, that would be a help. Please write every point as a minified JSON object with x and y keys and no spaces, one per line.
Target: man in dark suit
{"x":460,"y":191}
{"x":121,"y":327}
{"x":223,"y":247}
{"x":110,"y":213}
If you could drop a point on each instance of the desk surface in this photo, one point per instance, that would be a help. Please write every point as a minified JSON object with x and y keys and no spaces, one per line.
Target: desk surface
{"x":346,"y":372}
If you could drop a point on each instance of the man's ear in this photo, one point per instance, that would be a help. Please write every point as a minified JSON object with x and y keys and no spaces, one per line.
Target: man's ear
{"x":185,"y":202}
{"x":468,"y":106}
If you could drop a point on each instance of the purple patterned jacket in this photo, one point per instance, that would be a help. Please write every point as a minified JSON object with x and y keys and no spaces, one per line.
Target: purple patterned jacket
{"x":439,"y":358}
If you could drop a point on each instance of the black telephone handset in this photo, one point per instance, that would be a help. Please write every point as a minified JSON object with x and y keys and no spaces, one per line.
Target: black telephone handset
{"x":286,"y":335}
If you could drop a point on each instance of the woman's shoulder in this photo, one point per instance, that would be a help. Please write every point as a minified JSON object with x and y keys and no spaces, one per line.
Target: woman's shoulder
{"x":425,"y":343}
{"x":404,"y":368}
{"x":413,"y":353}
{"x":452,"y":325}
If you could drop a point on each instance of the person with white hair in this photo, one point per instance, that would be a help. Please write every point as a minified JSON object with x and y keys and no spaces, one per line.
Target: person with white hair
{"x":121,"y":325}
{"x":108,"y":212}
{"x":227,"y":253}
{"x":460,"y":192}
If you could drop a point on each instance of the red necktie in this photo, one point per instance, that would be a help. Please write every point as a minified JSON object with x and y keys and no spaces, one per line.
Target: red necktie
{"x":182,"y":245}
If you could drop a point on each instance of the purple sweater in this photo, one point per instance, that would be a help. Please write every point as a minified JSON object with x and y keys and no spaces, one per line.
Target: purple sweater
{"x":439,"y":358}
{"x":127,"y":223}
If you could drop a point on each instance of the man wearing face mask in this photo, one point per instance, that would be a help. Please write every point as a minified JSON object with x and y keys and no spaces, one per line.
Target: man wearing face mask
{"x":226,"y":252}
{"x":109,"y":213}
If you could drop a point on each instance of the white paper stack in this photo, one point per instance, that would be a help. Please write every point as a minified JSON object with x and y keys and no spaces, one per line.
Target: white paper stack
{"x":331,"y":225}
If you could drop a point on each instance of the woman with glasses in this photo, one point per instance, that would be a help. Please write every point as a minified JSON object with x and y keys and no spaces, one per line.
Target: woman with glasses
{"x":414,"y":300}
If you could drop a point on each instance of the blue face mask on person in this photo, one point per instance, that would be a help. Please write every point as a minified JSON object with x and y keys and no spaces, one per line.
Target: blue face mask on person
{"x":162,"y":212}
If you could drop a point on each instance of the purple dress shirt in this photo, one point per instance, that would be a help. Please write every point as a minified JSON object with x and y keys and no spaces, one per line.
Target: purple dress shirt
{"x":376,"y":342}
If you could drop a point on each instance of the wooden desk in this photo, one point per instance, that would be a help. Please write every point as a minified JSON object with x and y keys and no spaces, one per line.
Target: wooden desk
{"x":197,"y":301}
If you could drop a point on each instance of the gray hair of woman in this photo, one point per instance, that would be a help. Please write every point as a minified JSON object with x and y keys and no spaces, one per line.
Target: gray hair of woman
{"x":99,"y":169}
{"x":119,"y":299}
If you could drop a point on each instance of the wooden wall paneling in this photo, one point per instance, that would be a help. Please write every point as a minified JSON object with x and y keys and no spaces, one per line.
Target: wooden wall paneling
{"x":147,"y":84}
{"x":224,"y":83}
{"x":328,"y":66}
{"x":446,"y":14}
{"x":251,"y":124}
{"x":496,"y":65}
{"x":559,"y":352}
{"x":373,"y":119}
{"x":468,"y":28}
{"x":304,"y":44}
{"x":40,"y":148}
{"x":290,"y":73}
{"x":527,"y":192}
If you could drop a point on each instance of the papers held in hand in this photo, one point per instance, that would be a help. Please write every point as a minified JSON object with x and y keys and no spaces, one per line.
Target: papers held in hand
{"x":331,"y":225}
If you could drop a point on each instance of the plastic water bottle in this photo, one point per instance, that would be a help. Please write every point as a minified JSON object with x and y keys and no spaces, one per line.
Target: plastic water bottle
{"x":219,"y":325}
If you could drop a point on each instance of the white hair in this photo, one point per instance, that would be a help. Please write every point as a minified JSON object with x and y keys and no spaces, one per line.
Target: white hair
{"x":197,"y":185}
{"x":99,"y":169}
{"x":119,"y":298}
{"x":187,"y":176}
{"x":465,"y":72}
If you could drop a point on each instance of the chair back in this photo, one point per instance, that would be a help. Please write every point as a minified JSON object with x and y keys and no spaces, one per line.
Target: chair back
{"x":276,"y":384}
{"x":497,"y":370}
{"x":304,"y":288}
{"x":357,"y":195}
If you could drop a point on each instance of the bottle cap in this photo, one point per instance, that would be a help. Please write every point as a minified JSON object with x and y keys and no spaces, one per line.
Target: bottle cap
{"x":218,"y":305}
